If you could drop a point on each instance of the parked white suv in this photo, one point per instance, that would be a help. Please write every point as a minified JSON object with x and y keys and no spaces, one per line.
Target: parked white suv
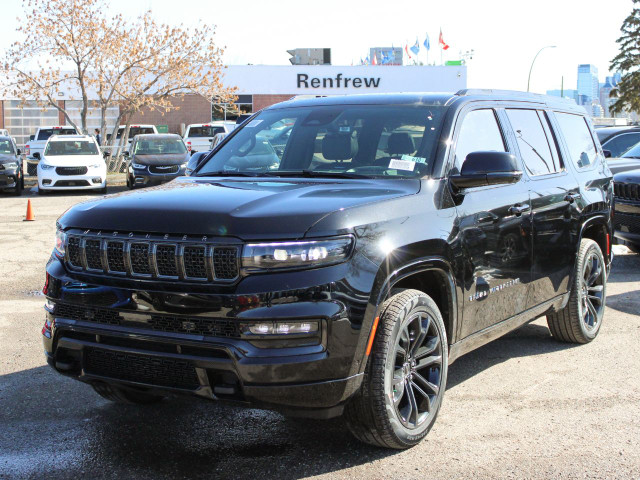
{"x":198,"y":136}
{"x":33,"y":150}
{"x":72,"y":162}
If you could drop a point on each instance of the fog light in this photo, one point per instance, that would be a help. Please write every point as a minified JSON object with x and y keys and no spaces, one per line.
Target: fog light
{"x":46,"y":182}
{"x":96,"y":180}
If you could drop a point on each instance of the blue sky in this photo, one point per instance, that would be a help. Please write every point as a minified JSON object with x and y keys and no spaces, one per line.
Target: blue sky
{"x":504,"y":34}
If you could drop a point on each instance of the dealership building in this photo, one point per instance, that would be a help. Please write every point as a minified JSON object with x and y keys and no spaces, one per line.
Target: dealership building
{"x":257,"y":87}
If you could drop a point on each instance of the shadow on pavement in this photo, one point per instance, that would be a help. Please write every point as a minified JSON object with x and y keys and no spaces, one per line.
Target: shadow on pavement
{"x":187,"y":437}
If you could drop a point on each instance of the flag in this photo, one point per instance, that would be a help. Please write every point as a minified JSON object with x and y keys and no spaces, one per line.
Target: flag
{"x":374,"y":61}
{"x":361,"y":61}
{"x":406,"y":50}
{"x":426,"y":43}
{"x":442,"y":43}
{"x":366,"y":60}
{"x":416,"y":47}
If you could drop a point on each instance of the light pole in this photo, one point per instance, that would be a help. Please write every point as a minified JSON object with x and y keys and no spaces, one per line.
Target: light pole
{"x":534,"y":61}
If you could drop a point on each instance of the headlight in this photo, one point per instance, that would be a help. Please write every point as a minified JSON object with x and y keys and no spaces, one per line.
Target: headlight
{"x":308,"y":254}
{"x":61,"y":239}
{"x":137,"y":165}
{"x":46,"y":166}
{"x":10,"y":165}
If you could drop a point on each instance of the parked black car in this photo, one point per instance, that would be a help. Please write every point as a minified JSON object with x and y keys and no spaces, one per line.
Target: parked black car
{"x":627,"y":209}
{"x":393,"y":234}
{"x":155,"y":159}
{"x":618,"y":140}
{"x":11,"y":176}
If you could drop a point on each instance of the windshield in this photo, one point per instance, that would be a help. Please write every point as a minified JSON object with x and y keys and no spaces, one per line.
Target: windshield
{"x":45,"y":133}
{"x":633,"y":152}
{"x":6,"y":147}
{"x":76,"y":147}
{"x":159,"y":146}
{"x":133,"y":131}
{"x":370,"y":140}
{"x":208,"y":131}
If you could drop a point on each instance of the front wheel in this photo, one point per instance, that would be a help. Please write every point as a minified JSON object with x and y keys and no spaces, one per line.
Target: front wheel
{"x":580,"y":320}
{"x":19,"y":186}
{"x":406,"y":375}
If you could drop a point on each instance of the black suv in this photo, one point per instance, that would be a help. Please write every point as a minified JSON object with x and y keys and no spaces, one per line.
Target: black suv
{"x":11,"y":176}
{"x":627,"y":209}
{"x":156,"y":158}
{"x":344,"y":274}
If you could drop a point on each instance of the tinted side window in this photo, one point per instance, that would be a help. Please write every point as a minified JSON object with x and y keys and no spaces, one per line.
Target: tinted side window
{"x":582,"y":149}
{"x":533,"y":143}
{"x":620,"y":144}
{"x":479,"y":132}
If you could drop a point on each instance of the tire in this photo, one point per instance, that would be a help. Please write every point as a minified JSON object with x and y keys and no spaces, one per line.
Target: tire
{"x":580,"y":320}
{"x":381,"y":413}
{"x":19,"y":186}
{"x":121,"y":395}
{"x":102,"y":190}
{"x":41,"y":191}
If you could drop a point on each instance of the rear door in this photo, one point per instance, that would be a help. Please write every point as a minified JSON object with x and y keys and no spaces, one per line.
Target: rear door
{"x":554,"y":196}
{"x":494,"y":229}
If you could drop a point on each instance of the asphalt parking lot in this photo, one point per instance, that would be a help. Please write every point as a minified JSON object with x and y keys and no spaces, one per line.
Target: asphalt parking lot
{"x":524,"y":406}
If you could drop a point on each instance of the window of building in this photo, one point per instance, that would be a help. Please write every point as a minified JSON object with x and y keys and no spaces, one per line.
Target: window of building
{"x":22,"y":120}
{"x":74,"y":107}
{"x":479,"y":132}
{"x":535,"y":148}
{"x":231,"y":111}
{"x":582,"y":148}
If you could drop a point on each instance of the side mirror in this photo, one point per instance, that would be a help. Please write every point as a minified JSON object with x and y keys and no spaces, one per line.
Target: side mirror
{"x":606,"y":153}
{"x":36,"y":155}
{"x":126,"y":153}
{"x":487,"y":168}
{"x":31,"y":137}
{"x":18,"y":152}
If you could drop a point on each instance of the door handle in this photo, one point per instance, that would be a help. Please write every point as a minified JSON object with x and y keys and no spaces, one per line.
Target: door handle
{"x":572,"y":197}
{"x":518,"y":210}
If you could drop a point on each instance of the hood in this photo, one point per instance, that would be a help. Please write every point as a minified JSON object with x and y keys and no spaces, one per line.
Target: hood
{"x":631,"y":176}
{"x":7,"y":157}
{"x":622,"y":164}
{"x":163,"y":159}
{"x":72,"y":160}
{"x":244,"y":208}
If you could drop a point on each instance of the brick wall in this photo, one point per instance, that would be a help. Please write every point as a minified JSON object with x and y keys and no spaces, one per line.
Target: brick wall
{"x":262,"y":101}
{"x":1,"y":113}
{"x":192,"y":109}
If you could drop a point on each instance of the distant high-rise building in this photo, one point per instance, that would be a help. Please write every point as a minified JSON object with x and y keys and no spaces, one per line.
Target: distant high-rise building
{"x":596,"y":110}
{"x":616,"y":78}
{"x":605,"y":99}
{"x":588,"y":83}
{"x":310,"y":56}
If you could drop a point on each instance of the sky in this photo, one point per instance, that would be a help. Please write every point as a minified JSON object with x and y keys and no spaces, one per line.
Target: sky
{"x":505,"y":35}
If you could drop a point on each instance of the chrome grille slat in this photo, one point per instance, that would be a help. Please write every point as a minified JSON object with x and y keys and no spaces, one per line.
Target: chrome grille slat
{"x":138,"y":256}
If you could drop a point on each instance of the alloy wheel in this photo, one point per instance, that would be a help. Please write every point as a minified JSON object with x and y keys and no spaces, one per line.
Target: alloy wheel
{"x":417,"y":370}
{"x":592,"y":291}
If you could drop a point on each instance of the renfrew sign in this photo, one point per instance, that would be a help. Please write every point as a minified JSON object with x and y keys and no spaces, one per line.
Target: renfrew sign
{"x":339,"y":81}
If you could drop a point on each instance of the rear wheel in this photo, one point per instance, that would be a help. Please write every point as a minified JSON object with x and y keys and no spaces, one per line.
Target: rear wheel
{"x":406,"y":374}
{"x":121,"y":395}
{"x":580,"y":320}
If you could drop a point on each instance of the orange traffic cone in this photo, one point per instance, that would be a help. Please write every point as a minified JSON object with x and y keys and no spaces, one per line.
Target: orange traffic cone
{"x":30,"y":216}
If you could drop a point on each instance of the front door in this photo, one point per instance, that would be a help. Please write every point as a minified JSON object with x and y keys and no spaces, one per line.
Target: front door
{"x":494,"y":231}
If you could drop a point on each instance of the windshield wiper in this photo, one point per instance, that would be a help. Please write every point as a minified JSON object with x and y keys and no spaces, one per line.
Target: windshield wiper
{"x":229,"y":173}
{"x":313,"y":174}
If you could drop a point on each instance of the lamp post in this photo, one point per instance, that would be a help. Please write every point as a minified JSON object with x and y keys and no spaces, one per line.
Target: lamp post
{"x":534,"y":61}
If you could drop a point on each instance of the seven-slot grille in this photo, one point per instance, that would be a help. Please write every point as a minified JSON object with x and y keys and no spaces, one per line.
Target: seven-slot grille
{"x":71,"y":170}
{"x":153,"y":259}
{"x":626,"y":191}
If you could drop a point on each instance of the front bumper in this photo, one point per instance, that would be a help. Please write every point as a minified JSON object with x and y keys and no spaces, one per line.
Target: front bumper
{"x":308,"y":376}
{"x":94,"y":178}
{"x":626,"y":221}
{"x":145,"y":178}
{"x":9,"y":178}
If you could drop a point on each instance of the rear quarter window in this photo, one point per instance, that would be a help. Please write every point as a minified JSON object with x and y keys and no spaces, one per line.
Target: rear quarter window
{"x":580,"y":143}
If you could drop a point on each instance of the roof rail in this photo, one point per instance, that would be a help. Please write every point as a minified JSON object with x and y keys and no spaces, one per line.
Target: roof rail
{"x":512,"y":93}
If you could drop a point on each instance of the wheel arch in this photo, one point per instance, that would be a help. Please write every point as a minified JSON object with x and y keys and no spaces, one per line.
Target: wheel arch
{"x":598,"y":229}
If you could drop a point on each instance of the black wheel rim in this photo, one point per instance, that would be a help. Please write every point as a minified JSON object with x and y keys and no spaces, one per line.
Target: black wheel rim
{"x":592,"y":291}
{"x":417,"y":370}
{"x":508,"y":248}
